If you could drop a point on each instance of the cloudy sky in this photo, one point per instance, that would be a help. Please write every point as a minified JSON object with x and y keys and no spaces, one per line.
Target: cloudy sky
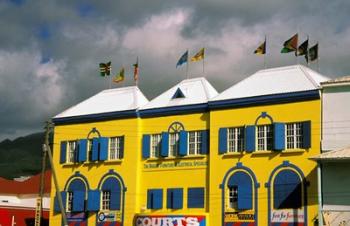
{"x":50,"y":49}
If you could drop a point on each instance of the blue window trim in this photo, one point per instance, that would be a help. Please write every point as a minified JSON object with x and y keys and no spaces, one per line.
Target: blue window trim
{"x":111,"y":172}
{"x":288,"y":165}
{"x":95,"y":117}
{"x":183,"y":109}
{"x":174,"y":198}
{"x":239,"y":166}
{"x":196,"y":204}
{"x":266,"y":99}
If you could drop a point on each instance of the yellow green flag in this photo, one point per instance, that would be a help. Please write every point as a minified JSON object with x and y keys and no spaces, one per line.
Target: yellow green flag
{"x":199,"y":56}
{"x":120,"y":77}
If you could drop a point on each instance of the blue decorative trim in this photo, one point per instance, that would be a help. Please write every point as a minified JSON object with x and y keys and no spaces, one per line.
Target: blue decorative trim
{"x":176,"y":126}
{"x":95,"y":117}
{"x":263,"y":115}
{"x":266,"y":99}
{"x":184,"y":109}
{"x":94,"y":130}
{"x":239,"y":166}
{"x":111,"y":172}
{"x":77,"y":175}
{"x":287,"y":165}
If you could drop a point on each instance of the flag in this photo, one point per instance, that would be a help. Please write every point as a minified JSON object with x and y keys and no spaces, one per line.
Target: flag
{"x":302,"y":49}
{"x":290,"y":45}
{"x":120,"y":77}
{"x":183,"y":59}
{"x":136,"y":69}
{"x":199,"y":56}
{"x":105,"y":69}
{"x":261,"y":50}
{"x":313,"y":52}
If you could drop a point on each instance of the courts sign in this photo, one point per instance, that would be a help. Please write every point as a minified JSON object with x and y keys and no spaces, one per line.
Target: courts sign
{"x":178,"y":220}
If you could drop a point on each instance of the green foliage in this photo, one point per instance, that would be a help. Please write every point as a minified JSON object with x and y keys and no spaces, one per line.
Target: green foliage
{"x":22,"y":156}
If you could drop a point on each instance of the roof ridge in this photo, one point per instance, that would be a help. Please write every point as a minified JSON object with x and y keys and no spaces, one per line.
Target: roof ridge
{"x":308,"y":76}
{"x":278,"y":68}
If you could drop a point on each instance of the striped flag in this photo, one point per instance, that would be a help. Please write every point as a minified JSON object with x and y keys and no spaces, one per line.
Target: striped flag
{"x":105,"y":69}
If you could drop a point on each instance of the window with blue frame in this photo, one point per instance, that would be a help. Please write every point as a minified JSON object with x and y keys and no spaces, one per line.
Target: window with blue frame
{"x":287,"y":190}
{"x":239,"y":195}
{"x":195,"y":198}
{"x":194,"y":142}
{"x":182,"y":143}
{"x":111,"y":194}
{"x":155,"y":145}
{"x":72,"y":151}
{"x":174,"y":198}
{"x":116,"y":148}
{"x":235,"y":139}
{"x":154,"y":199}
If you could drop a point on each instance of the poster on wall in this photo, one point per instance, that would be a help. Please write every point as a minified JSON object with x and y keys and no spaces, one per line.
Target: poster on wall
{"x":109,"y":218}
{"x":78,"y":219}
{"x":237,"y":218}
{"x":170,"y":220}
{"x":287,"y":216}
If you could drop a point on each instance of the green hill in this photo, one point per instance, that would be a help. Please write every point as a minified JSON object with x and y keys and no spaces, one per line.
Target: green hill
{"x":21,"y":156}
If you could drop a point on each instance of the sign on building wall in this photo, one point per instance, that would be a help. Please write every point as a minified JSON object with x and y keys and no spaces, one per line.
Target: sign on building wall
{"x":110,"y":217}
{"x":77,"y":218}
{"x":174,"y":220}
{"x":288,"y":216}
{"x":237,"y":218}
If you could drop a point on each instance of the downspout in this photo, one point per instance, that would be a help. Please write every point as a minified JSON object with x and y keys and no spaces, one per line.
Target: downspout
{"x":319,"y":191}
{"x":319,"y":170}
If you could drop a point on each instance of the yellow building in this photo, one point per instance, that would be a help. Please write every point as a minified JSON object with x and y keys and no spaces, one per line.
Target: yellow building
{"x":191,"y":156}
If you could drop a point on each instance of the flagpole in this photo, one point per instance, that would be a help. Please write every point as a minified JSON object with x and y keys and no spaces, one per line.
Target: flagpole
{"x":318,"y":58}
{"x":265,"y":54}
{"x":137,"y":79}
{"x":187,"y":65}
{"x":203,"y":65}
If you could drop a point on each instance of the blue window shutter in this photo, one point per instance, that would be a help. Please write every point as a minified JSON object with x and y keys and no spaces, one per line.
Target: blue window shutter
{"x":177,"y":198}
{"x":307,"y":134}
{"x":78,"y":201}
{"x":183,"y":143}
{"x":222,"y":140}
{"x":93,"y":201}
{"x":146,"y":146}
{"x":63,"y":152}
{"x":250,"y":138}
{"x":164,"y":151}
{"x":287,"y":190}
{"x":95,"y":147}
{"x":245,"y":198}
{"x":121,"y":154}
{"x":56,"y":206}
{"x":115,"y":198}
{"x":195,"y":198}
{"x":103,"y":153}
{"x":205,"y":142}
{"x":279,"y":136}
{"x":64,"y":198}
{"x":157,"y":199}
{"x":169,"y":198}
{"x":82,"y":150}
{"x":149,"y":199}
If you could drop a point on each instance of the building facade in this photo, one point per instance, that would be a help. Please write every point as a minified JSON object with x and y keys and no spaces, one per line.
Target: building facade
{"x":18,"y":200}
{"x":192,"y":156}
{"x":334,"y":161}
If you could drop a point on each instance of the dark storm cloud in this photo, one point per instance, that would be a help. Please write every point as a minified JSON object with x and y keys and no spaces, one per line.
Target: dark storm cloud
{"x":49,"y":50}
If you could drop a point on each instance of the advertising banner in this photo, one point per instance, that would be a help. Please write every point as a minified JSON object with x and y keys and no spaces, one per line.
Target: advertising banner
{"x":109,"y":218}
{"x":170,"y":220}
{"x":287,"y":216}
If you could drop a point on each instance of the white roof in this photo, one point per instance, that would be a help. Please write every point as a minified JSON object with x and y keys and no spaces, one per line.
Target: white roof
{"x":279,"y":80}
{"x":342,"y":154}
{"x":106,"y":101}
{"x":195,"y":91}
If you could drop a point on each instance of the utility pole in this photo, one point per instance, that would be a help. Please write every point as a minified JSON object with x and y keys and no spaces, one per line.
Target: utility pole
{"x":47,"y":149}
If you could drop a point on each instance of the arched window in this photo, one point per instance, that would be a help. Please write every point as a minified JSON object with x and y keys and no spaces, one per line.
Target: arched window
{"x":287,"y":190}
{"x":111,"y":194}
{"x":76,"y":193}
{"x":240,"y":191}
